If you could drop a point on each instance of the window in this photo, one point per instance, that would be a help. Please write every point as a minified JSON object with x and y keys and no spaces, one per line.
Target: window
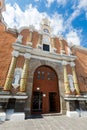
{"x":46,"y":30}
{"x":38,"y":75}
{"x":46,"y":47}
{"x":42,"y":75}
{"x":50,"y":76}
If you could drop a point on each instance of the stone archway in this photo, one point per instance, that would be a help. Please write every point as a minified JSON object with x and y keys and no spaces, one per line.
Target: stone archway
{"x":45,"y":94}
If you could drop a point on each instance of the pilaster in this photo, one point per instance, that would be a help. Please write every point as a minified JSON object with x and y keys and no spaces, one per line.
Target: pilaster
{"x":10,"y":75}
{"x":66,"y":82}
{"x":23,"y":81}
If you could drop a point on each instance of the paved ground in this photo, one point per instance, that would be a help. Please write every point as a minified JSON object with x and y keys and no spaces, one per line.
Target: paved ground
{"x":47,"y":123}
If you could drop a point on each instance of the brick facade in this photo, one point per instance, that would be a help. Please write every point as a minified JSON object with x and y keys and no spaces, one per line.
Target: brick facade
{"x":28,"y":56}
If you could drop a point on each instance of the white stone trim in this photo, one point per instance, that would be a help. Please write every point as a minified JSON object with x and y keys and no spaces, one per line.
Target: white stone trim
{"x":31,"y":28}
{"x":2,"y":116}
{"x":46,"y":59}
{"x":64,"y":63}
{"x":77,"y":113}
{"x":44,"y":54}
{"x":29,"y":43}
{"x":27,"y":55}
{"x":72,"y":64}
{"x":15,"y":53}
{"x":19,"y":39}
{"x":10,"y":96}
{"x":72,"y":114}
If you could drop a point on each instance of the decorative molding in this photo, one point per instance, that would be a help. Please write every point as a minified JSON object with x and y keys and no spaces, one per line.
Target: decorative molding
{"x":29,"y":43}
{"x":15,"y":53}
{"x":19,"y":39}
{"x":31,"y":28}
{"x":11,"y":96}
{"x":39,"y":46}
{"x":53,"y":49}
{"x":41,"y":53}
{"x":72,"y":64}
{"x":65,"y":63}
{"x":27,"y":55}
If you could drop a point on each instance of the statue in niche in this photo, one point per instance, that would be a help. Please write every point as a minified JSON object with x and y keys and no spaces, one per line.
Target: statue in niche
{"x":70,"y":78}
{"x":17,"y":77}
{"x":19,"y":39}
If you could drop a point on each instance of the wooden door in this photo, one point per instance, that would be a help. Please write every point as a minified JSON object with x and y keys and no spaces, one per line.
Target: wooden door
{"x":46,"y":84}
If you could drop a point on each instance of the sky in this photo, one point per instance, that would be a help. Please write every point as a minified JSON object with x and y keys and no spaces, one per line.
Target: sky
{"x":67,"y":17}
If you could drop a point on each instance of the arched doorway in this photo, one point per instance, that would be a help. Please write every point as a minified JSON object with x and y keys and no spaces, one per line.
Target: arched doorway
{"x":45,"y":94}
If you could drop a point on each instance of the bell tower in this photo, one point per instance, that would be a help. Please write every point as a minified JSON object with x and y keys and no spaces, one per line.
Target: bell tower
{"x":46,"y":30}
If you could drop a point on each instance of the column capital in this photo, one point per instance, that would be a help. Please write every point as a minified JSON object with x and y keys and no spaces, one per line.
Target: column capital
{"x":64,"y":63}
{"x":15,"y":53}
{"x":27,"y":55}
{"x":72,"y":64}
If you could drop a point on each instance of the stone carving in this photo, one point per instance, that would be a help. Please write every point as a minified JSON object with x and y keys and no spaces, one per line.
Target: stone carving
{"x":72,"y":64}
{"x":17,"y":77}
{"x":19,"y":39}
{"x":15,"y":53}
{"x":71,"y":83}
{"x":27,"y":55}
{"x":64,"y":63}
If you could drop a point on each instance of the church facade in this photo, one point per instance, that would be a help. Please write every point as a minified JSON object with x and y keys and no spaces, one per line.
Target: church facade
{"x":40,"y":73}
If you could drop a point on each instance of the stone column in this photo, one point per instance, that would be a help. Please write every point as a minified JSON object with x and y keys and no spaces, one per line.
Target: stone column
{"x":72,"y":64}
{"x":10,"y":75}
{"x":23,"y":81}
{"x":66,"y":82}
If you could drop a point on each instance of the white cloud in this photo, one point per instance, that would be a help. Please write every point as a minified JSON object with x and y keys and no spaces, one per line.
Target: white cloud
{"x":57,"y":23}
{"x":83,"y":4}
{"x":49,"y":2}
{"x":14,"y":16}
{"x":72,"y":17}
{"x":62,"y":2}
{"x":73,"y":38}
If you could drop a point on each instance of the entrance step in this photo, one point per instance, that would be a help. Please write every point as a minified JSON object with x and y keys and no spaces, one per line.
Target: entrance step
{"x":52,"y":114}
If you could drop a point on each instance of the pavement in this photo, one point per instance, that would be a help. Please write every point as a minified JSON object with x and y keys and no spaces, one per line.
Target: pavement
{"x":47,"y":123}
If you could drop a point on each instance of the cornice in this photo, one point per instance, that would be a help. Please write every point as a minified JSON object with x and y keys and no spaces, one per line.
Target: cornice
{"x":42,"y":54}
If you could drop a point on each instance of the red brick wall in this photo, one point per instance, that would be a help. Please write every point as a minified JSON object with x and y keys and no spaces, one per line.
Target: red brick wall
{"x":6,"y":40}
{"x":81,"y":68}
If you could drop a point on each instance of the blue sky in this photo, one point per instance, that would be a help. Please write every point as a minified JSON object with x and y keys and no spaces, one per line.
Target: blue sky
{"x":68,"y":17}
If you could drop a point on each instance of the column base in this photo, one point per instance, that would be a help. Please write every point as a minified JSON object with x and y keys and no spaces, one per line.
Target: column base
{"x":77,"y":113}
{"x":72,"y":114}
{"x":4,"y":92}
{"x":21,"y":93}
